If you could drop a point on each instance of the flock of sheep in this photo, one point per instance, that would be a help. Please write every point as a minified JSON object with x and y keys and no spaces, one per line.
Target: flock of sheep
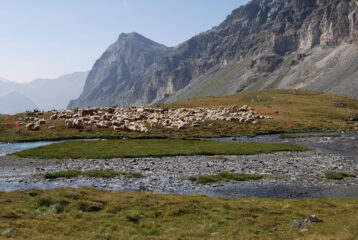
{"x":140,"y":119}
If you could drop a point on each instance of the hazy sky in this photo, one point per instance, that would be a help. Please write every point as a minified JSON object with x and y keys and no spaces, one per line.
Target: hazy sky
{"x":49,"y":38}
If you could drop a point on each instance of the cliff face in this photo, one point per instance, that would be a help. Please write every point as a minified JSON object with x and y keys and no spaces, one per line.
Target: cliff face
{"x":309,"y":44}
{"x":114,"y":76}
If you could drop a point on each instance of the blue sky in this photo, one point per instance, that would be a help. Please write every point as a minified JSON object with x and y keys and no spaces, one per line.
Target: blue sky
{"x":49,"y":38}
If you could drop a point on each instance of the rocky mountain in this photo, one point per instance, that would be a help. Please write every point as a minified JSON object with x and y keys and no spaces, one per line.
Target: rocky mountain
{"x":45,"y":94}
{"x":114,"y":76}
{"x":14,"y":103}
{"x":300,"y":44}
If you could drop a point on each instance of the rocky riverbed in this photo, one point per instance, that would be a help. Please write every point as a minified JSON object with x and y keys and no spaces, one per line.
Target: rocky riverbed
{"x":288,"y":174}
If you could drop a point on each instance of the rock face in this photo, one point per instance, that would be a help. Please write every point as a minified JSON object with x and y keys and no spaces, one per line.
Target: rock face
{"x":309,"y":44}
{"x":119,"y":73}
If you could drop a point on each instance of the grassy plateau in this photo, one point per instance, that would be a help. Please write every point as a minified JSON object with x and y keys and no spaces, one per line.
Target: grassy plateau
{"x":151,"y":148}
{"x":76,"y":214}
{"x":291,"y":110}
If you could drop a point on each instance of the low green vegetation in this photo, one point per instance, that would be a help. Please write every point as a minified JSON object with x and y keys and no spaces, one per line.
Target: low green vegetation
{"x":92,"y":174}
{"x":85,"y":214}
{"x":309,"y":135}
{"x":338,"y":175}
{"x":151,"y":148}
{"x":291,"y":110}
{"x":225,"y":177}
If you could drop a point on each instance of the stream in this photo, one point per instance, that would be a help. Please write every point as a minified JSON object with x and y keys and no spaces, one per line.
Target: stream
{"x":300,"y":170}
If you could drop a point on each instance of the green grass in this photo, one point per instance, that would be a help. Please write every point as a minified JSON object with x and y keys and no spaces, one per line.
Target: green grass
{"x":225,"y":177}
{"x":85,"y":214}
{"x":92,"y":174}
{"x":291,"y":110}
{"x":309,"y":135}
{"x":151,"y":148}
{"x":338,"y":175}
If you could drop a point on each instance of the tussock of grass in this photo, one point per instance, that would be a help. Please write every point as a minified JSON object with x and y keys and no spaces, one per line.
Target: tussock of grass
{"x":85,"y":214}
{"x":309,"y":135}
{"x":92,"y":174}
{"x":225,"y":177}
{"x":338,"y":175}
{"x":151,"y":148}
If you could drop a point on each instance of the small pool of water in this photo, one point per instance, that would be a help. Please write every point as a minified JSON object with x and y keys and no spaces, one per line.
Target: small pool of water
{"x":274,"y":138}
{"x":8,"y":148}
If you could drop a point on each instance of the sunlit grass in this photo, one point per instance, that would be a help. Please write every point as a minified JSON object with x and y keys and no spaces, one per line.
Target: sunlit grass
{"x":338,"y":175}
{"x":83,"y":214}
{"x":225,"y":177}
{"x":152,"y":148}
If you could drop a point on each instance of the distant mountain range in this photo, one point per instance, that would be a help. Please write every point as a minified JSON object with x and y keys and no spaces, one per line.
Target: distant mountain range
{"x":14,"y":103}
{"x":299,"y":44}
{"x":45,"y":94}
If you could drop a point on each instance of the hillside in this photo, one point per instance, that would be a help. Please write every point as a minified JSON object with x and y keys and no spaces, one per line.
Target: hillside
{"x":291,"y":111}
{"x":265,"y":44}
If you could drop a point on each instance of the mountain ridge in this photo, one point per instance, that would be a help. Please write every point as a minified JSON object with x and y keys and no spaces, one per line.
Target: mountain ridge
{"x":263,"y":44}
{"x":47,"y":94}
{"x":15,"y":102}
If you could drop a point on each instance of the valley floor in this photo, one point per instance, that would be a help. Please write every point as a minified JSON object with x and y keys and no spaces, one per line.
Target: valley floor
{"x":286,"y":174}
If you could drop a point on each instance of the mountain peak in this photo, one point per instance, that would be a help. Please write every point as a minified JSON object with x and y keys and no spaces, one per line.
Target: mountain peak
{"x":264,"y":44}
{"x":132,"y":36}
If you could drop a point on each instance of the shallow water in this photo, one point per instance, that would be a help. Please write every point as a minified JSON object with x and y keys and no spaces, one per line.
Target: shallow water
{"x":8,"y":148}
{"x":240,"y":190}
{"x":346,"y":145}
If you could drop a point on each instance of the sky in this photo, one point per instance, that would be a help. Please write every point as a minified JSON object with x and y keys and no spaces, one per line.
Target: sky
{"x":50,"y":38}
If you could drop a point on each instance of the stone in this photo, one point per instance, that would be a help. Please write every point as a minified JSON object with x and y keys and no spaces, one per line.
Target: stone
{"x":313,"y":219}
{"x":298,"y":225}
{"x":8,"y":231}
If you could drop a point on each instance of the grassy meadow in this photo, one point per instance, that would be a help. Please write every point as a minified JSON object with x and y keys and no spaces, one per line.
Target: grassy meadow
{"x":291,"y":110}
{"x":151,"y":148}
{"x":76,"y":214}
